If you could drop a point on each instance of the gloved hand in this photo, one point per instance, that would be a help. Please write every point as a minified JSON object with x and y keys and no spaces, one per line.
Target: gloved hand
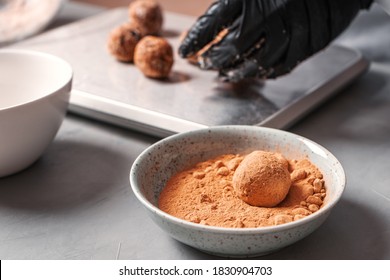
{"x":267,"y":38}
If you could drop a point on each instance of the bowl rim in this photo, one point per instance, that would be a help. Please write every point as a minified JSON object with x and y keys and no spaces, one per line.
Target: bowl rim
{"x":36,"y":26}
{"x":225,"y":230}
{"x":67,"y":80}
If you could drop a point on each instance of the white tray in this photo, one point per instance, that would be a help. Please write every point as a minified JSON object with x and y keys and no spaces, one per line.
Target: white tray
{"x":118,"y":93}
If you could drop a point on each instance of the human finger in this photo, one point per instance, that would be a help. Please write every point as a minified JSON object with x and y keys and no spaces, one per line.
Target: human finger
{"x":218,"y":16}
{"x":264,"y":57}
{"x":243,"y":35}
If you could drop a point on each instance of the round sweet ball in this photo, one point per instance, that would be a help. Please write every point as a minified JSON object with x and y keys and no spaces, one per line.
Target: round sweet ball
{"x":154,"y":57}
{"x":147,"y":16}
{"x":262,"y":179}
{"x":122,"y":41}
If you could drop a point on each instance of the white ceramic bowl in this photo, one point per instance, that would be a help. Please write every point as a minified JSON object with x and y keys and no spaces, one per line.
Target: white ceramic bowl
{"x":34,"y":94}
{"x":20,"y":18}
{"x":159,"y":162}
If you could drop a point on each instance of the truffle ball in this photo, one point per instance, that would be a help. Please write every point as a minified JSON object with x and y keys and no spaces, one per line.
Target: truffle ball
{"x":154,"y":57}
{"x":122,"y":41}
{"x":262,"y":179}
{"x":147,"y":16}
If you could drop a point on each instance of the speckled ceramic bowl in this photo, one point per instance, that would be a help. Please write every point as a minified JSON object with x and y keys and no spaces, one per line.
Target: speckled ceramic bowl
{"x":158,"y":163}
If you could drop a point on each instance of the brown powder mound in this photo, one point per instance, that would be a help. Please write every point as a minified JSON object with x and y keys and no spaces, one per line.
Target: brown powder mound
{"x":204,"y":194}
{"x":262,"y":179}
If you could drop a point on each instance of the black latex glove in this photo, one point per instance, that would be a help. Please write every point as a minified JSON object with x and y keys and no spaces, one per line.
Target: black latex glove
{"x":267,"y":38}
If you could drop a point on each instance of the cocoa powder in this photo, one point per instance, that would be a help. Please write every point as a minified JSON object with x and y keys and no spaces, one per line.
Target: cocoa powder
{"x":204,"y":194}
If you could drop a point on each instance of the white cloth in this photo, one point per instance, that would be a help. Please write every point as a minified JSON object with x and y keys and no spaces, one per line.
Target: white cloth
{"x":385,"y":4}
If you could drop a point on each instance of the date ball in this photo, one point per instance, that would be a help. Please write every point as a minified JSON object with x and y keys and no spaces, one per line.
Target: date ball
{"x":122,"y":41}
{"x":154,"y":57}
{"x":147,"y":16}
{"x":262,"y":179}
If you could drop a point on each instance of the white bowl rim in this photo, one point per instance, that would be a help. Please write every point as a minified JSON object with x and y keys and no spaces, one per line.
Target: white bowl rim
{"x":67,"y":80}
{"x":36,"y":26}
{"x":239,"y":231}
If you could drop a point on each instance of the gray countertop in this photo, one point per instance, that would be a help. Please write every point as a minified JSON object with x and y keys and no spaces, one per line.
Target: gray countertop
{"x":76,"y":201}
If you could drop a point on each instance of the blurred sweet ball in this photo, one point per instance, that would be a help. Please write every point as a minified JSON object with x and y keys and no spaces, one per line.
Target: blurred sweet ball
{"x":146,"y":15}
{"x":154,"y":57}
{"x":122,"y":41}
